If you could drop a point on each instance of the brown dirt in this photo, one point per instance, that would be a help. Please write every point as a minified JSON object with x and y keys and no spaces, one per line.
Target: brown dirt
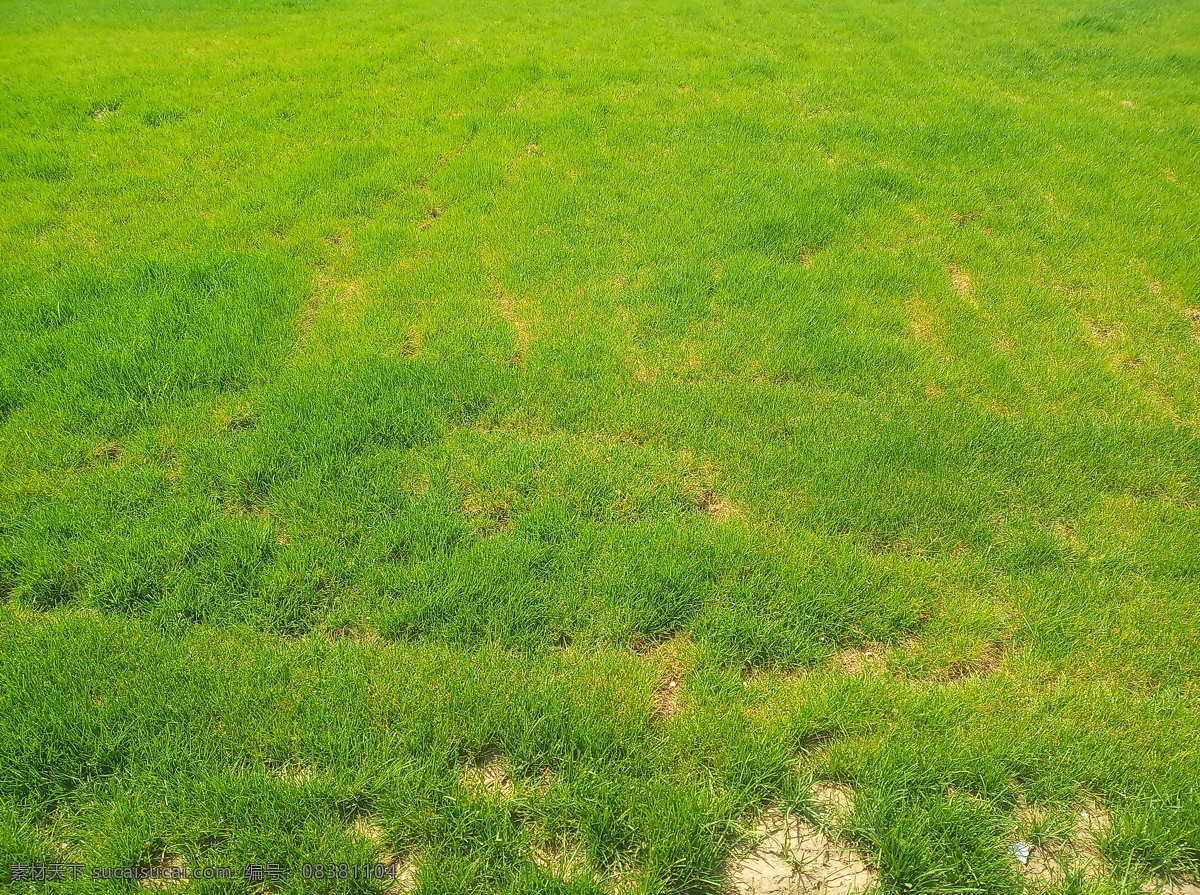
{"x":365,"y":828}
{"x":792,"y":857}
{"x":559,"y":857}
{"x":1174,"y":887}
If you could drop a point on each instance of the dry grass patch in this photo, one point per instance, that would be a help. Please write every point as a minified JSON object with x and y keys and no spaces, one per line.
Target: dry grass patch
{"x":108,"y":452}
{"x":245,"y":508}
{"x":923,"y":659}
{"x":413,"y":343}
{"x":1193,"y":314}
{"x":1100,"y":332}
{"x":700,"y":485}
{"x":236,"y":417}
{"x":985,"y":662}
{"x":328,"y":292}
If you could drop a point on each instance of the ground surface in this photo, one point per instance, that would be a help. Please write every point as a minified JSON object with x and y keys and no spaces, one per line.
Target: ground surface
{"x":549,"y":445}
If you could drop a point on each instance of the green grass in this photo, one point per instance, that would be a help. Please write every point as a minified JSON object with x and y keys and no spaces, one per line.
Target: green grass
{"x":390,"y":388}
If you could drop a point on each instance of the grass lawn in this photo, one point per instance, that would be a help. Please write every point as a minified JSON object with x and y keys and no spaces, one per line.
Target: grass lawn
{"x":601,"y":448}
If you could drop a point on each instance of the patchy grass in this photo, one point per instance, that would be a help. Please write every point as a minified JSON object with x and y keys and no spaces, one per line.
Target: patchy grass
{"x":541,"y":446}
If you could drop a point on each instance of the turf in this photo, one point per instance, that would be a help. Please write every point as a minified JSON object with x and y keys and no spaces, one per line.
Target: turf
{"x":391,"y":392}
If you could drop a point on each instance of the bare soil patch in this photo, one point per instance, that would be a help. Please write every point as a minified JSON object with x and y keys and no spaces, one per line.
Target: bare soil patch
{"x":510,"y":310}
{"x":675,"y":660}
{"x":406,"y":870}
{"x":923,"y":321}
{"x":169,"y":873}
{"x":792,"y":857}
{"x":1053,"y":853}
{"x":715,"y":506}
{"x":834,"y":800}
{"x":981,"y":665}
{"x":867,"y":659}
{"x":962,"y":283}
{"x":431,"y":215}
{"x":561,"y":858}
{"x":487,"y":775}
{"x":1174,"y":887}
{"x":487,"y":514}
{"x":296,"y":773}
